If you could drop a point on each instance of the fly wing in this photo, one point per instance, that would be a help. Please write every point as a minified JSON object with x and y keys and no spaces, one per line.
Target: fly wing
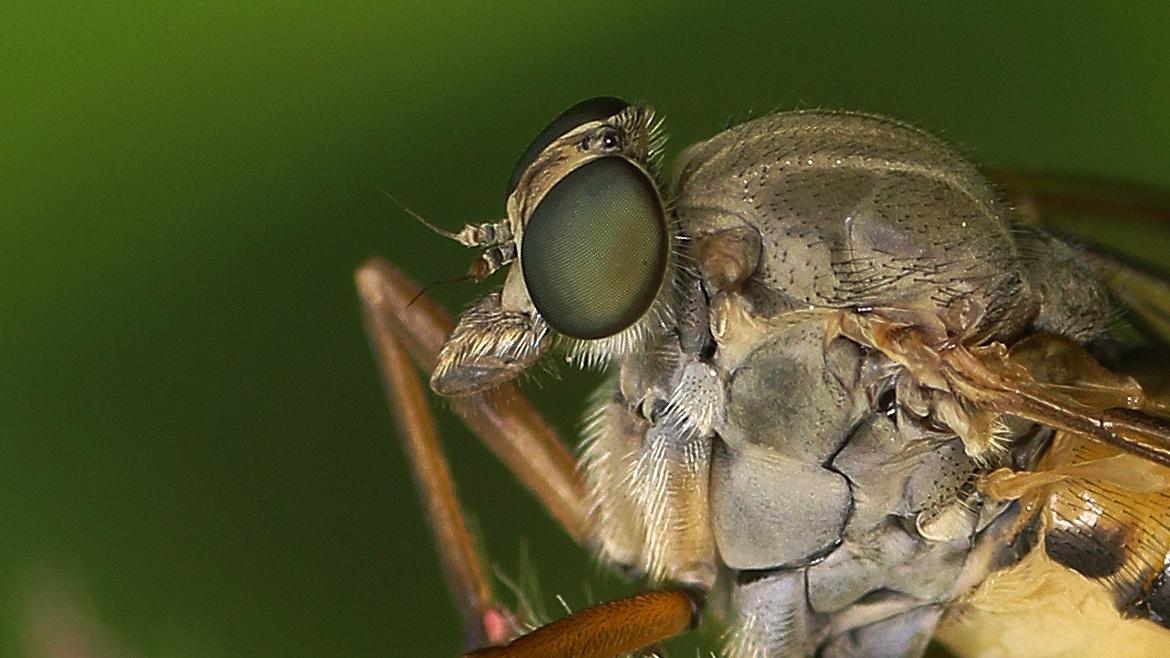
{"x":1053,"y":381}
{"x":1123,"y":230}
{"x":1045,"y":378}
{"x":1102,"y":486}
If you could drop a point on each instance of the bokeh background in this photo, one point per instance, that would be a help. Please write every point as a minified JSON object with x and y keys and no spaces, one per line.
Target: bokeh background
{"x":195,"y":454}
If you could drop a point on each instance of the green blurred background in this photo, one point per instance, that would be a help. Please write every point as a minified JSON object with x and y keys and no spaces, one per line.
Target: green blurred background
{"x":195,"y":455}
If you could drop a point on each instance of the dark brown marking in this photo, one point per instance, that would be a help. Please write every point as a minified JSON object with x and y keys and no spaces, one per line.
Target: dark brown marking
{"x":1155,"y":604}
{"x":1092,"y":553}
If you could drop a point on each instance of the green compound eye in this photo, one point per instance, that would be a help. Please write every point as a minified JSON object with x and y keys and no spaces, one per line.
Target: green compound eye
{"x":594,"y":249}
{"x":590,"y":109}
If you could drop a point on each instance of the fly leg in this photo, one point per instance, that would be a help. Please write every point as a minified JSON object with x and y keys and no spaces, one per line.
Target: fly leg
{"x":503,"y":419}
{"x":401,"y":330}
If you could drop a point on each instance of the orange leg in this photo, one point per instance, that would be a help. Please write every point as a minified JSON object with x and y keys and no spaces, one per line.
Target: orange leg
{"x":400,"y":331}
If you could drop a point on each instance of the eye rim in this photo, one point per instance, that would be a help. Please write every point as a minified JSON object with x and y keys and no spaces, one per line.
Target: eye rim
{"x":596,"y":108}
{"x":646,"y":298}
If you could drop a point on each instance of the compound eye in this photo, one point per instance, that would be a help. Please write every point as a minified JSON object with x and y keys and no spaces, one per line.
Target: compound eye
{"x":594,"y":250}
{"x":591,"y":109}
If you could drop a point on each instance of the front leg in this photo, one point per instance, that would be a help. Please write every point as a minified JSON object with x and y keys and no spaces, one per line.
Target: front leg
{"x":399,"y":324}
{"x":484,"y":620}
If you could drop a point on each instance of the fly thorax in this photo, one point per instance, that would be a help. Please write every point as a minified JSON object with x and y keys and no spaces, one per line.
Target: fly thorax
{"x":838,"y":441}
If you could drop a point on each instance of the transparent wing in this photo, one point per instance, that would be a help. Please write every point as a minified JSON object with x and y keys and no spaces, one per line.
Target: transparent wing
{"x":1044,"y":378}
{"x":1055,"y":382}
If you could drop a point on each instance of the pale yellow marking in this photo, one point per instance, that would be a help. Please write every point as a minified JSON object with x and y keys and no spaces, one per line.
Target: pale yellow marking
{"x":1039,"y":609}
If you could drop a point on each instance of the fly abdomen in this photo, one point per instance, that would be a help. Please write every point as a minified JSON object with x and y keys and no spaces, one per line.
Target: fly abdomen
{"x":1154,"y":603}
{"x":1116,"y":533}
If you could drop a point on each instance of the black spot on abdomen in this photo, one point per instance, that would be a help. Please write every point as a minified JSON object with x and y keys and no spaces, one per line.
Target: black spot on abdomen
{"x":1093,"y":554}
{"x":1155,"y":603}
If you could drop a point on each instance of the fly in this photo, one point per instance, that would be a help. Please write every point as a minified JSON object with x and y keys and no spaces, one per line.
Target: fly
{"x":855,"y":400}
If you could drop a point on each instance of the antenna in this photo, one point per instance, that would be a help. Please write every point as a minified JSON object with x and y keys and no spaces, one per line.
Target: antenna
{"x":482,"y":235}
{"x":436,"y":229}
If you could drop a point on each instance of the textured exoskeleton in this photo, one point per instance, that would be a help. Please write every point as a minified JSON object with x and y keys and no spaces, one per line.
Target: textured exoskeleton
{"x":801,"y":330}
{"x":805,"y":477}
